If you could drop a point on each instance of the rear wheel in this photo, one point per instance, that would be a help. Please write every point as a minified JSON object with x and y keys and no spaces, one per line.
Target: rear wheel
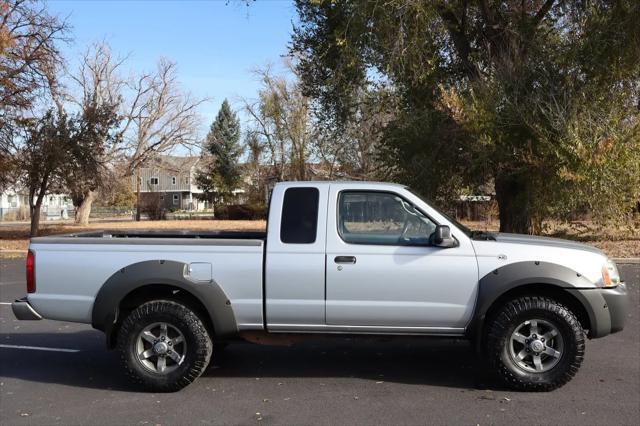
{"x":164,"y":345}
{"x":535,"y":344}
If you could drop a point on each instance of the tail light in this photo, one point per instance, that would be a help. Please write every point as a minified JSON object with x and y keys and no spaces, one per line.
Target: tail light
{"x":31,"y":272}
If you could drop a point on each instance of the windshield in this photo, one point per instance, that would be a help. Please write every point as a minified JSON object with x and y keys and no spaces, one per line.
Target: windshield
{"x":468,"y":232}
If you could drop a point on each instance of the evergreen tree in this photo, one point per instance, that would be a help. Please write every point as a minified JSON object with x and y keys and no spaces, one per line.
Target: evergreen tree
{"x":221,"y":174}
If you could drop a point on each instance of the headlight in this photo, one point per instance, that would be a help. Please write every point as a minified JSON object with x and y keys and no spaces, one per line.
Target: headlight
{"x":610,"y":274}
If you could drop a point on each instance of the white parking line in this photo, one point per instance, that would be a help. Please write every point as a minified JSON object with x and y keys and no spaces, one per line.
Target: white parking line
{"x":39,"y":348}
{"x":5,"y":303}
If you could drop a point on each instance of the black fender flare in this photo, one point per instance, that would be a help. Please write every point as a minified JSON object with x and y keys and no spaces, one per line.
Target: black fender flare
{"x":519,"y":274}
{"x":161,"y":272}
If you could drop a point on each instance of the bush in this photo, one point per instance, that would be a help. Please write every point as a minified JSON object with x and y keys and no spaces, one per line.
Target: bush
{"x":152,"y":206}
{"x":241,"y":212}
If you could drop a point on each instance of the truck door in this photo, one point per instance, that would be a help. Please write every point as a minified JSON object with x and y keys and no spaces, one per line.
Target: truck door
{"x":295,"y":261}
{"x":382,"y":274}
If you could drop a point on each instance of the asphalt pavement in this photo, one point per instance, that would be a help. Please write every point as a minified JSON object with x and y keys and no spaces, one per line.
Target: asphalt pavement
{"x":60,"y":373}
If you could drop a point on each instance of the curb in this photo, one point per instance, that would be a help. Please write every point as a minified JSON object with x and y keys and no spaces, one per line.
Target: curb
{"x":626,"y":260}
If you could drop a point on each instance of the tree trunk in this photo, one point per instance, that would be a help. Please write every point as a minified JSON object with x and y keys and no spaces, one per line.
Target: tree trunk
{"x":137,"y":195}
{"x":514,"y":204}
{"x":34,"y":210}
{"x":35,"y":220}
{"x":84,"y":209}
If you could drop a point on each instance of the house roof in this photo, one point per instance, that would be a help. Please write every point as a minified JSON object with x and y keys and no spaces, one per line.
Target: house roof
{"x":173,"y":163}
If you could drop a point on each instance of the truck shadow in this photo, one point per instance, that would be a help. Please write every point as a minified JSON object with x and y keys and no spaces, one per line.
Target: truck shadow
{"x":91,"y":367}
{"x":432,"y":362}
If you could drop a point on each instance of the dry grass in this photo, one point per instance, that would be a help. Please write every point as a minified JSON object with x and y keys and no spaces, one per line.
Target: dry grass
{"x":622,"y":241}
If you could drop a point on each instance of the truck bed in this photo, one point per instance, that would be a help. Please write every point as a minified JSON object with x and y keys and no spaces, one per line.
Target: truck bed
{"x":120,"y":233}
{"x":72,"y":268}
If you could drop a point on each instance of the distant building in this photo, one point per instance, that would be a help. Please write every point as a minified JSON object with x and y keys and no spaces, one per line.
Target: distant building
{"x":14,"y":205}
{"x":173,"y":180}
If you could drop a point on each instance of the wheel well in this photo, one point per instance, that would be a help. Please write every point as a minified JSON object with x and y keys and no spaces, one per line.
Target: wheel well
{"x":151,"y":292}
{"x":557,"y":293}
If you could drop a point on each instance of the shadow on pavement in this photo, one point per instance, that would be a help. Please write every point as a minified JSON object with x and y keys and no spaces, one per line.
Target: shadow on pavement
{"x":434,"y":362}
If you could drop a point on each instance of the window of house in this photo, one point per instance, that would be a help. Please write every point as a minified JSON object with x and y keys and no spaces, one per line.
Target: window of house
{"x":154,"y":181}
{"x":173,"y":180}
{"x":381,"y":218}
{"x":162,"y":198}
{"x":299,"y":216}
{"x":13,"y":201}
{"x":186,"y":180}
{"x":176,"y":199}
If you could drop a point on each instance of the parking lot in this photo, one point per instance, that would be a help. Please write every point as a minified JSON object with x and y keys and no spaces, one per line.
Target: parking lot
{"x":59,"y":373}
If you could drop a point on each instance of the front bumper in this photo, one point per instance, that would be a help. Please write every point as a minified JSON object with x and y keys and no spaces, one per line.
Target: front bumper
{"x":617,"y":300}
{"x":23,"y":310}
{"x":608,"y":309}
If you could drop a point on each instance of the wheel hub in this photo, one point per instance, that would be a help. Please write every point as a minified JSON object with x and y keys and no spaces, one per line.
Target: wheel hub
{"x":536,"y":346}
{"x":160,"y":348}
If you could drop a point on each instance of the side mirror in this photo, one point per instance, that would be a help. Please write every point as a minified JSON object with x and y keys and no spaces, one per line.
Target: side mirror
{"x":441,"y":237}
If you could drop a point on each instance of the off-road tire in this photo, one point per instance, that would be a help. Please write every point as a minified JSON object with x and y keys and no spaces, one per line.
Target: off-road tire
{"x":503,"y":323}
{"x":198,"y":345}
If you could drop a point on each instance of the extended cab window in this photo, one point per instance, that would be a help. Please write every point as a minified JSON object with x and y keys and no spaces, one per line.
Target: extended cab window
{"x":299,"y":216}
{"x":381,"y":218}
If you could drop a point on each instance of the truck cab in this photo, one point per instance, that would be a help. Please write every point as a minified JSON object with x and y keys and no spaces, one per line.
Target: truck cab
{"x":358,"y":257}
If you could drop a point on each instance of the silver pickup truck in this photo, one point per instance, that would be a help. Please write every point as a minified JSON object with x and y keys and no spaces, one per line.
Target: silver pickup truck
{"x":341,"y":258}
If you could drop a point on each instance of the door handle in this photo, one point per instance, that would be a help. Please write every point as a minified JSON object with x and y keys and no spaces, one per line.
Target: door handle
{"x":345,"y":259}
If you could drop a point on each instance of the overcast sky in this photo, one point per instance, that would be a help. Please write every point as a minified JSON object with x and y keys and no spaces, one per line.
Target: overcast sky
{"x":214,"y":43}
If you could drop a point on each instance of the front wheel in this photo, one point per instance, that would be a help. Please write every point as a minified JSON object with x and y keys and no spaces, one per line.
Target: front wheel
{"x":164,"y":345}
{"x":535,"y":344}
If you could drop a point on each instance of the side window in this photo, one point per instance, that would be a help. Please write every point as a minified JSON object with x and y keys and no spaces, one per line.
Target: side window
{"x":299,"y":221}
{"x":381,"y":218}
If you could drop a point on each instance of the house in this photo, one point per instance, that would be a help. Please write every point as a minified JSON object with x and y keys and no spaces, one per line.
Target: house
{"x":14,"y":205}
{"x":172,"y":181}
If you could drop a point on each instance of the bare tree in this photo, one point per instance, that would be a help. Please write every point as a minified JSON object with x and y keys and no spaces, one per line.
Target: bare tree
{"x":154,"y":116}
{"x":282,"y":118}
{"x":159,"y":117}
{"x":291,"y":133}
{"x":100,"y":99}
